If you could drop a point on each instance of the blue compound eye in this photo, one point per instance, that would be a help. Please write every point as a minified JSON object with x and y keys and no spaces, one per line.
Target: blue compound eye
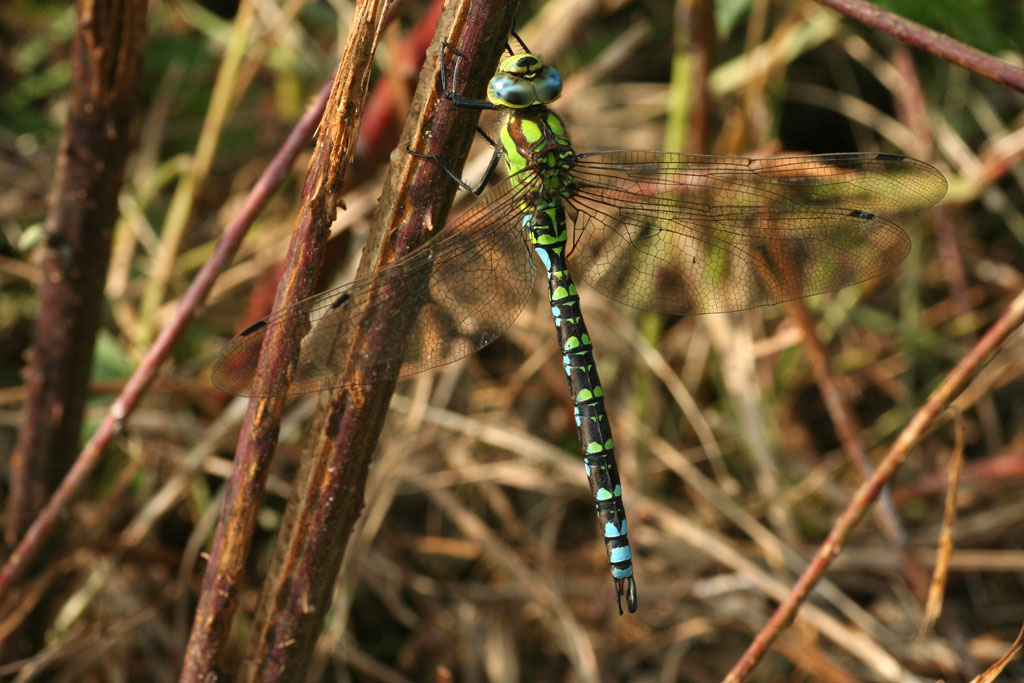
{"x":548,"y":85}
{"x":507,"y":90}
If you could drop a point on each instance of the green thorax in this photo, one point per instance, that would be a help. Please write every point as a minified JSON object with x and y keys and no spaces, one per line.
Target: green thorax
{"x":533,"y":138}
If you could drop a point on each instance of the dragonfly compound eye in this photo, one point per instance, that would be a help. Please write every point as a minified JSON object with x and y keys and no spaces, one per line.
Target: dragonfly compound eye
{"x":506,"y":90}
{"x":548,"y":85}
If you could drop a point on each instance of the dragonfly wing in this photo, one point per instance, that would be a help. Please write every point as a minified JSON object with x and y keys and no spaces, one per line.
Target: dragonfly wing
{"x":888,"y":185}
{"x":441,"y":302}
{"x":691,"y":234}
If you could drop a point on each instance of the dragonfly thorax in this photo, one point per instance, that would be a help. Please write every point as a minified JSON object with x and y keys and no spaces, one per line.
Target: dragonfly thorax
{"x":524,"y":80}
{"x":535,"y":144}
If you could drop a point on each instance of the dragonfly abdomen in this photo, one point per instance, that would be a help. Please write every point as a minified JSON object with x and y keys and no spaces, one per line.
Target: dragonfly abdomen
{"x":547,"y":226}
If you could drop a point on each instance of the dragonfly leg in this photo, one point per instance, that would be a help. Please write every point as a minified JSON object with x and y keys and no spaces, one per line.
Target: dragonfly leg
{"x":465,"y":102}
{"x":518,"y":40}
{"x":479,"y":187}
{"x":488,"y":138}
{"x":449,"y":90}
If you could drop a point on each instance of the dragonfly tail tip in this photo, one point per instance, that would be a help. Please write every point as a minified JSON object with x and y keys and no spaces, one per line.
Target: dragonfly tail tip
{"x":627,"y":587}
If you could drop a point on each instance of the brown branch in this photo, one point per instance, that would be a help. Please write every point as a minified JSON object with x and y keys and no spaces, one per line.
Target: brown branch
{"x":930,"y":41}
{"x":936,"y":403}
{"x":329,"y":490}
{"x":106,"y":63}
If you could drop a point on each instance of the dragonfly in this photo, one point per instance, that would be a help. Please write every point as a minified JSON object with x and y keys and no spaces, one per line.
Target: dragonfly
{"x":677,"y":234}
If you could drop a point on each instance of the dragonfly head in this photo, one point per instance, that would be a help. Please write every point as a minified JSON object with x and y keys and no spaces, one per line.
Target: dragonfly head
{"x":522,"y":81}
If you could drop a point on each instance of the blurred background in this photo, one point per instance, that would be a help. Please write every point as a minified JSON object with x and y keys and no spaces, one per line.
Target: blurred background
{"x":732,"y":463}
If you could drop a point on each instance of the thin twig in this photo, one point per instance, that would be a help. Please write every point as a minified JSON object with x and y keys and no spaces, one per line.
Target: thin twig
{"x":930,"y":41}
{"x":940,"y":572}
{"x":936,"y":403}
{"x":179,"y":209}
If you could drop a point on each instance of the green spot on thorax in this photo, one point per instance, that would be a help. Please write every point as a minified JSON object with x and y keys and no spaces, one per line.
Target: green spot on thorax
{"x":555,"y":124}
{"x":531,"y":131}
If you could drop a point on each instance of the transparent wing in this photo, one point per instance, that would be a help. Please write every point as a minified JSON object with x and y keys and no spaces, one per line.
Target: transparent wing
{"x":452,"y":296}
{"x":686,"y":234}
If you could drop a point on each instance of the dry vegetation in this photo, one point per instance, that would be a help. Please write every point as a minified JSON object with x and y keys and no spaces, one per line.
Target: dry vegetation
{"x":476,"y":556}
